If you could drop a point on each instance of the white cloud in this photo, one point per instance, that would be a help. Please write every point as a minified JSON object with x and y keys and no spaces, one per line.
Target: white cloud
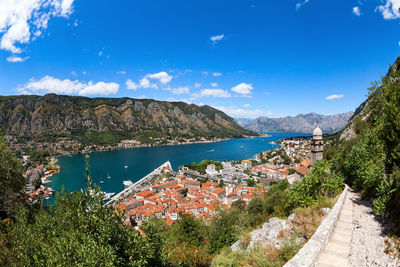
{"x":300,"y":4}
{"x":390,"y":10}
{"x":216,"y":38}
{"x":356,"y":11}
{"x":171,"y":99}
{"x":243,"y":89}
{"x":334,"y":96}
{"x":101,"y":53}
{"x":244,"y":113}
{"x":122,"y":72}
{"x":214,"y":84}
{"x":100,"y":88}
{"x":205,"y":73}
{"x":131,"y":85}
{"x":145,"y":83}
{"x":162,"y":76}
{"x":197,"y":85}
{"x":218,"y":93}
{"x":178,"y":90}
{"x":73,"y":73}
{"x":20,"y":19}
{"x":16,"y":59}
{"x":49,"y":84}
{"x":246,"y":105}
{"x":216,"y":74}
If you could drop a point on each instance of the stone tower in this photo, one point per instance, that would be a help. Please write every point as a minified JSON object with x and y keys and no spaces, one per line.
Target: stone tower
{"x":317,"y":146}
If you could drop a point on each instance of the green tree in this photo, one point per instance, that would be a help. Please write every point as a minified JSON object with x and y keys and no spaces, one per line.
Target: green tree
{"x":78,"y":230}
{"x":12,"y":181}
{"x":225,"y":228}
{"x":251,"y":182}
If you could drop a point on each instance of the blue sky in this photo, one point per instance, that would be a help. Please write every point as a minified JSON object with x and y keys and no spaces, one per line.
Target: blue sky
{"x":248,"y":58}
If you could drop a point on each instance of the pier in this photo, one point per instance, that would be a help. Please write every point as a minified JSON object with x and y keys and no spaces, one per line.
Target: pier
{"x":129,"y":190}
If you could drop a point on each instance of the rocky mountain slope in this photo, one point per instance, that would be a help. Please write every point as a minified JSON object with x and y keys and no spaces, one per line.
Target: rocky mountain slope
{"x":72,"y":116}
{"x":362,"y":113}
{"x":302,"y":123}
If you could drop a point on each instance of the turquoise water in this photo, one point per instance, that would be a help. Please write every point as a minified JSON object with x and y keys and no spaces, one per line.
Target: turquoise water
{"x":141,"y":161}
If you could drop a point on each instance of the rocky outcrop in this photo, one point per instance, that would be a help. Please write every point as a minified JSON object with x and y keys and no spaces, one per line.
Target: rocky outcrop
{"x":270,"y":233}
{"x":71,"y":115}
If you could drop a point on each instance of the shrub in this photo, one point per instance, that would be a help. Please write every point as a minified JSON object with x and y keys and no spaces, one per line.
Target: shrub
{"x":320,"y":182}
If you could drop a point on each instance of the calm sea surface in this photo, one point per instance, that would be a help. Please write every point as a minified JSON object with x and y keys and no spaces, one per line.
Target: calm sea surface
{"x":141,"y":161}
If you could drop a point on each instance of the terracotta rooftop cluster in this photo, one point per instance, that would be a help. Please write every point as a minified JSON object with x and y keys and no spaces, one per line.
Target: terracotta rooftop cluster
{"x":168,"y":199}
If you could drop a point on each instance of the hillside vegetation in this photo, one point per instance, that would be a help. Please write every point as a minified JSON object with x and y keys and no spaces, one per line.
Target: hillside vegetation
{"x":367,"y":152}
{"x":109,"y":120}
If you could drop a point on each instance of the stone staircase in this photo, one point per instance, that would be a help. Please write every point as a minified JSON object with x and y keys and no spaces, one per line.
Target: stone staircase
{"x":337,"y":250}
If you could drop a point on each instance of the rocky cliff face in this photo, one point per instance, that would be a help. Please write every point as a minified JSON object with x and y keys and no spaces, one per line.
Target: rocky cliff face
{"x":69,"y":115}
{"x":302,"y":123}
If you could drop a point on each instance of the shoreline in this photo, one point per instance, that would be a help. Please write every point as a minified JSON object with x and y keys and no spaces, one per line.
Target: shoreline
{"x":157,"y":145}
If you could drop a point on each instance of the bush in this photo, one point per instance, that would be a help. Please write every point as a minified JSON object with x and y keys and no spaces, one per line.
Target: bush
{"x":364,"y":164}
{"x":320,"y":182}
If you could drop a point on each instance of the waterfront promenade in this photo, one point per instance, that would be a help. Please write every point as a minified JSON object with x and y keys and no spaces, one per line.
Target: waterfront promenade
{"x":129,"y":190}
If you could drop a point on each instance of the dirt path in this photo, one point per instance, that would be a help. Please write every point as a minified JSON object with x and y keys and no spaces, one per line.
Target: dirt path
{"x":367,"y":244}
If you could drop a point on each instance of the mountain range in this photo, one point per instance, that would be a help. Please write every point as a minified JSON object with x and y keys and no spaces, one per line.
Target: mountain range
{"x":74,"y":117}
{"x":302,"y":123}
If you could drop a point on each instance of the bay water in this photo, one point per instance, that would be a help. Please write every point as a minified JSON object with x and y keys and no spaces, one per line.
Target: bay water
{"x":110,"y":168}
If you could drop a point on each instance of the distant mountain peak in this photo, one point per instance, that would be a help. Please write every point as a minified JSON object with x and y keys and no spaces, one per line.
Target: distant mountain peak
{"x":301,"y":123}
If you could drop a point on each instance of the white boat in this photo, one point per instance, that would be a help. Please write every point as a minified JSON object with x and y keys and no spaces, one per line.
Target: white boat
{"x":108,"y":196}
{"x":108,"y":176}
{"x":102,"y":182}
{"x":127,"y":183}
{"x":126,"y":166}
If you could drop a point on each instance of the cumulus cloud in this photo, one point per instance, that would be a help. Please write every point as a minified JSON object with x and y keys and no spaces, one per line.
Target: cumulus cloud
{"x":23,"y":20}
{"x":16,"y":59}
{"x":217,"y":93}
{"x":99,"y":88}
{"x":145,"y":83}
{"x":131,"y":85}
{"x":50,"y":84}
{"x":301,"y":3}
{"x":216,"y":74}
{"x":334,"y":96}
{"x":205,"y":73}
{"x":197,"y":85}
{"x":390,"y":10}
{"x":179,"y":90}
{"x":246,"y":105}
{"x":162,"y":76}
{"x":216,"y":38}
{"x":122,"y":72}
{"x":356,"y":11}
{"x":243,"y":89}
{"x":214,"y":84}
{"x":244,"y":113}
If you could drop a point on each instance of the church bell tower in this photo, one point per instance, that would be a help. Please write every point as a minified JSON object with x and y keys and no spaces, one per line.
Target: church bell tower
{"x":317,"y":146}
